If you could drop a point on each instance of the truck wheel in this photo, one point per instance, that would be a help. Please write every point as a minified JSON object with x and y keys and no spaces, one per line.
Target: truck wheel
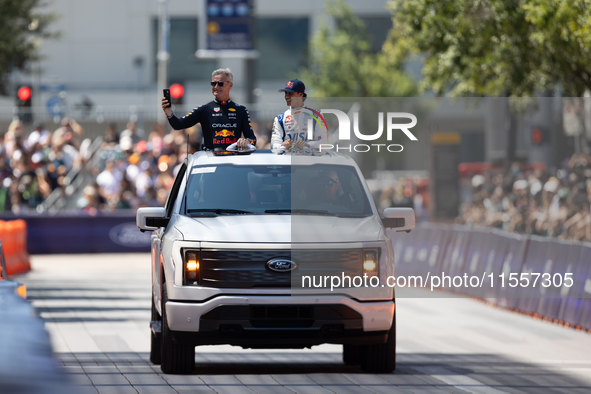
{"x":155,"y":339}
{"x":176,"y":359}
{"x":351,"y":354}
{"x":380,"y":358}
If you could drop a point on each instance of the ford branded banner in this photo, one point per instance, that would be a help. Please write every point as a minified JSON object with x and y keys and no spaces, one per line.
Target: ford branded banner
{"x":78,"y":232}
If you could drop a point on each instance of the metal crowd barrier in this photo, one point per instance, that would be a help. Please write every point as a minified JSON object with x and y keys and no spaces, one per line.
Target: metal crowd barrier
{"x":497,"y":260}
{"x":543,"y":277}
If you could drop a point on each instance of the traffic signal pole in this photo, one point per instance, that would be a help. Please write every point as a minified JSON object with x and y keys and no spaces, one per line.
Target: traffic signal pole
{"x":163,"y":54}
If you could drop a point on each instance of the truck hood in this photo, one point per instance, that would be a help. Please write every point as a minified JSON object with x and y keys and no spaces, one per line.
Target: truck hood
{"x":279,"y":229}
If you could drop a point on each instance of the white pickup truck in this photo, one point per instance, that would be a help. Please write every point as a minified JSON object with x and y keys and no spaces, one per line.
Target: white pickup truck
{"x":272,"y":250}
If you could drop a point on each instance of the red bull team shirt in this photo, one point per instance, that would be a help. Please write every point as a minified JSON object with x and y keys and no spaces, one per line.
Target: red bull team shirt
{"x":222,"y":122}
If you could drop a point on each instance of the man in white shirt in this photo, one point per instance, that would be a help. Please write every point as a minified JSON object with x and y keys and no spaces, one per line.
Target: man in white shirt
{"x":299,"y":126}
{"x":108,"y":180}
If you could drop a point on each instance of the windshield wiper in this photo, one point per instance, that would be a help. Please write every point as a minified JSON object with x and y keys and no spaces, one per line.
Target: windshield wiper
{"x":351,"y":215}
{"x":217,"y":211}
{"x":301,"y":211}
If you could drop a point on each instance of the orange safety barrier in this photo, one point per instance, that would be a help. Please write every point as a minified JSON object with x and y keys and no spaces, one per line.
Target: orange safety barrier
{"x":13,"y":235}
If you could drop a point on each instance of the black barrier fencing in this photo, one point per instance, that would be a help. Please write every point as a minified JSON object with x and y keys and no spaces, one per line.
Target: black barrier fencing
{"x":80,"y":232}
{"x":545,"y":277}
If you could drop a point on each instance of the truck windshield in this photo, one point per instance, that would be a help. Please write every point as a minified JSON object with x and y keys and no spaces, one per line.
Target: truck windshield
{"x":276,"y":189}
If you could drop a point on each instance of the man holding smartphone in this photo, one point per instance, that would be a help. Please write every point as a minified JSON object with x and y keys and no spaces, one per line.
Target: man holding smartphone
{"x":223,"y":121}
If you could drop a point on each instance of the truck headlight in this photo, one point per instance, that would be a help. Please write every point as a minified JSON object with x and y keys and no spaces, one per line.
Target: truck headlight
{"x":191,"y":266}
{"x":370,"y":262}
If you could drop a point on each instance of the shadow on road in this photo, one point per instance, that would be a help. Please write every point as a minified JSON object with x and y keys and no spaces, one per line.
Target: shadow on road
{"x":449,"y":372}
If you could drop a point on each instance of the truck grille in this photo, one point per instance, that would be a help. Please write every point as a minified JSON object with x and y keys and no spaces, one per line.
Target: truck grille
{"x":247,"y":268}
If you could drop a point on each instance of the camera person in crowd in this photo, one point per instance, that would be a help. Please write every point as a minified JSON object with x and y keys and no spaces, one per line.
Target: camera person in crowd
{"x":223,"y":122}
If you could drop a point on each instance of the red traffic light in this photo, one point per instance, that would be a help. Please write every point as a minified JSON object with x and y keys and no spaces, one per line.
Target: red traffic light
{"x":536,"y":136}
{"x":24,"y":93}
{"x":176,"y":91}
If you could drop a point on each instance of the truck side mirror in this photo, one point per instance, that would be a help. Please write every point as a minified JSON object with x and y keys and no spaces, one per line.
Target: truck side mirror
{"x":399,"y":219}
{"x":151,"y":218}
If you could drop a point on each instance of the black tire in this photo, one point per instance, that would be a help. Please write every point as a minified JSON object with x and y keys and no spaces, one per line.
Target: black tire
{"x":176,"y":359}
{"x":351,"y":354}
{"x":155,"y":339}
{"x":380,"y":358}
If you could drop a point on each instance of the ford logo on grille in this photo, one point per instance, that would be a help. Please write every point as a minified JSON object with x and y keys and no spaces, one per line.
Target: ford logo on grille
{"x":281,"y":265}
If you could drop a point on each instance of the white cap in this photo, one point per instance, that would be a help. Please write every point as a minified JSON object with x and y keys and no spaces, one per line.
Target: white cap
{"x":477,"y":180}
{"x":520,"y":184}
{"x":551,"y":185}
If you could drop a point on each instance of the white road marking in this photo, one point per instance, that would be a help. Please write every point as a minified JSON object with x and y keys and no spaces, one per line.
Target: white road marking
{"x":461,"y":382}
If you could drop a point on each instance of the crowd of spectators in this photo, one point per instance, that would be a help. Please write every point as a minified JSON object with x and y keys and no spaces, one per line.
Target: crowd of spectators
{"x":34,"y":164}
{"x":139,"y":170}
{"x":404,"y":192}
{"x":131,"y":169}
{"x":136,"y":169}
{"x":533,"y":200}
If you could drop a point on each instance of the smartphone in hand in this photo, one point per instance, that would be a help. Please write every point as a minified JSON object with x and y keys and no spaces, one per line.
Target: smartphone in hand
{"x":166,"y":93}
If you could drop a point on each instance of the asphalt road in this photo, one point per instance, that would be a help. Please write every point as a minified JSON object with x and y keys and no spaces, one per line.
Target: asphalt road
{"x":97,"y":307}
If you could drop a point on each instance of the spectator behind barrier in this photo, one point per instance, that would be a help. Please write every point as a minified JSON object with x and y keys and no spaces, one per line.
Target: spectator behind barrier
{"x":129,"y":174}
{"x":533,"y":201}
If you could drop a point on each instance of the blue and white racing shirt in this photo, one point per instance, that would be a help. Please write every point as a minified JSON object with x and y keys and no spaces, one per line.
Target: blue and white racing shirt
{"x":299,"y":124}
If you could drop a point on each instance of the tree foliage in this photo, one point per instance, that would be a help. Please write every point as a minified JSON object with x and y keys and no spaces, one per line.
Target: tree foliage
{"x":486,"y":47}
{"x":21,"y":27}
{"x":342,"y":63}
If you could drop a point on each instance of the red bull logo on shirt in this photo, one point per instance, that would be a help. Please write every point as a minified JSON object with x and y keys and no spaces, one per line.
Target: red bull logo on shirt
{"x":224,"y":133}
{"x":224,"y":137}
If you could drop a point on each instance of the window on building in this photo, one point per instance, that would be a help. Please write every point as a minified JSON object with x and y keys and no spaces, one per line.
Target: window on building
{"x":472,"y":147}
{"x":377,"y":28}
{"x":283,"y":45}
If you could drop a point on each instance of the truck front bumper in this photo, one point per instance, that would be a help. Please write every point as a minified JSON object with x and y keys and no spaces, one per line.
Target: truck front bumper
{"x":278,"y":321}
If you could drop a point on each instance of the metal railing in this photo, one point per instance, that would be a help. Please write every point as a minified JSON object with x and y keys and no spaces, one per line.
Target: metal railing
{"x":73,"y":181}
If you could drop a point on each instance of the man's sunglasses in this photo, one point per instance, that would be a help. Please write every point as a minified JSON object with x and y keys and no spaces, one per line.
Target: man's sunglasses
{"x":219,"y":83}
{"x":329,"y":183}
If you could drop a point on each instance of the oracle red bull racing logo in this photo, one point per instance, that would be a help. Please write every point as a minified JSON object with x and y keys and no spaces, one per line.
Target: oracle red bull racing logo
{"x":289,"y":85}
{"x":224,"y":137}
